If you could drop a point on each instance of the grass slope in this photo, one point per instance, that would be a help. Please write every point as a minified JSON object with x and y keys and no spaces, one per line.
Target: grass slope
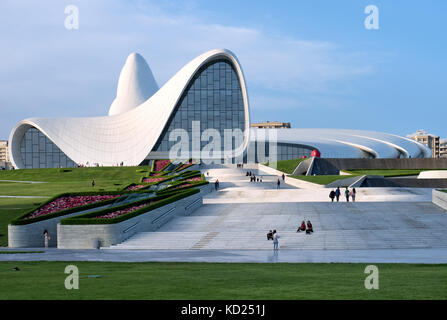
{"x":58,"y":181}
{"x":323,"y":180}
{"x":286,"y":166}
{"x":75,"y":180}
{"x":221,"y":281}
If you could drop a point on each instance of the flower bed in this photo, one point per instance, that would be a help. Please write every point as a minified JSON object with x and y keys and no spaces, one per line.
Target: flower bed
{"x":68,"y":202}
{"x":129,"y":210}
{"x":149,"y":179}
{"x":156,"y":174}
{"x":135,"y":187}
{"x":161,"y":164}
{"x":118,"y":213}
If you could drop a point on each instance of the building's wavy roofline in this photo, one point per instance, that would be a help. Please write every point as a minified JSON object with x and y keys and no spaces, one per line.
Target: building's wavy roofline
{"x":126,"y":137}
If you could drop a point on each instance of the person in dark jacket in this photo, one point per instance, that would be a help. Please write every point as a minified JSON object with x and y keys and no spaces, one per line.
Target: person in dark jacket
{"x":337,"y":193}
{"x":309,"y":229}
{"x":332,"y":195}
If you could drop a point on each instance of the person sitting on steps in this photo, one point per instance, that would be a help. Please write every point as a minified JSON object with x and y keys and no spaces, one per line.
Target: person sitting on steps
{"x":309,"y":229}
{"x":302,"y":227}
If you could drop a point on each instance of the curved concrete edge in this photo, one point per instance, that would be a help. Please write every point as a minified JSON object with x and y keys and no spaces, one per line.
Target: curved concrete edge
{"x":433,"y":174}
{"x":439,"y":198}
{"x":105,"y":235}
{"x":311,"y":167}
{"x":359,"y":182}
{"x":289,"y":180}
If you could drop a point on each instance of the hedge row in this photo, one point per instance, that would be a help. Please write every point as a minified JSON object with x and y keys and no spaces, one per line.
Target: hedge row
{"x":22,"y":221}
{"x":161,"y":200}
{"x":172,"y":189}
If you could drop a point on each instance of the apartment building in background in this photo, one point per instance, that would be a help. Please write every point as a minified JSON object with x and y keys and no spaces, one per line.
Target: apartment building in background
{"x":430,"y":140}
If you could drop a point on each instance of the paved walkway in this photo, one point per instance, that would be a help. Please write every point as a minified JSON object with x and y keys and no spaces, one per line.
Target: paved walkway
{"x":393,"y":225}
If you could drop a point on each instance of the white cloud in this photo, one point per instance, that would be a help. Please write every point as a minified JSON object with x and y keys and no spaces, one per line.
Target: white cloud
{"x":53,"y":71}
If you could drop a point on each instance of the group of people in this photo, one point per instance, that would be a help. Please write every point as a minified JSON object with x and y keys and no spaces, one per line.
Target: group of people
{"x":304,"y":227}
{"x":240,"y":165}
{"x":308,"y":228}
{"x":253,"y":177}
{"x":349,"y":194}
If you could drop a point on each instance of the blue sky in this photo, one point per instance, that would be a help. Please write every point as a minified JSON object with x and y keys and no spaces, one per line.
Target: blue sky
{"x":311,"y":63}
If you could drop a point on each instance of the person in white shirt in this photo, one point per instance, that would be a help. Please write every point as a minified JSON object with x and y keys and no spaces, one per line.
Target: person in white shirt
{"x":275,"y":240}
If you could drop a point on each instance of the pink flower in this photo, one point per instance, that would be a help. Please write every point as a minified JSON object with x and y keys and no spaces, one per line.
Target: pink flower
{"x":118,"y":213}
{"x":68,"y":202}
{"x":147,"y":180}
{"x":160,"y":164}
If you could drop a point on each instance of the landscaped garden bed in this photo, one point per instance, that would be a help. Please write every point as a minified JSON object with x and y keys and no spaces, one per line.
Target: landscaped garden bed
{"x":65,"y":204}
{"x":129,"y":210}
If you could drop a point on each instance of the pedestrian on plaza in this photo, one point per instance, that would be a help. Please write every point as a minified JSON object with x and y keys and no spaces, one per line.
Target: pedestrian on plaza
{"x":283,"y":177}
{"x":275,"y":240}
{"x":46,"y":236}
{"x":216,"y":184}
{"x":354,"y":193}
{"x":332,"y":195}
{"x":337,"y":193}
{"x":278,"y":183}
{"x":347,"y":194}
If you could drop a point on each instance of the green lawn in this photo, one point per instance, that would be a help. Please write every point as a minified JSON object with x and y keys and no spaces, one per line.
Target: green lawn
{"x":45,"y":280}
{"x":323,"y":180}
{"x":58,"y":181}
{"x":388,"y":172}
{"x":75,"y":180}
{"x":286,"y":166}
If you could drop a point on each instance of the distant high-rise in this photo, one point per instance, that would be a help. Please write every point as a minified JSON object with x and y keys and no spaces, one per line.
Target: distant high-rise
{"x":443,"y":148}
{"x":430,"y":140}
{"x":4,"y":157}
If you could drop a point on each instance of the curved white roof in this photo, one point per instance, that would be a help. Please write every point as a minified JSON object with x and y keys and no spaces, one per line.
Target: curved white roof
{"x":141,"y":111}
{"x":342,"y":143}
{"x":129,"y":136}
{"x":136,"y":84}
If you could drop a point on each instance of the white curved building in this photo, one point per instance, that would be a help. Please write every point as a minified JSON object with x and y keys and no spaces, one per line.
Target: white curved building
{"x":206,"y":99}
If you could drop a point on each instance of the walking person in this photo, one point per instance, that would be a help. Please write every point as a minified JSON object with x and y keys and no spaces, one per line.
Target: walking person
{"x":278,"y":183}
{"x":275,"y":240}
{"x":347,"y":194}
{"x":354,"y":193}
{"x":216,"y":185}
{"x":46,"y":236}
{"x":283,"y":177}
{"x":337,"y":193}
{"x":332,"y":195}
{"x":93,"y":183}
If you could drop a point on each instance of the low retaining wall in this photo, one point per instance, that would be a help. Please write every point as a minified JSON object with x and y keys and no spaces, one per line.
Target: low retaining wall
{"x":103,"y":235}
{"x":31,"y":235}
{"x":439,"y":198}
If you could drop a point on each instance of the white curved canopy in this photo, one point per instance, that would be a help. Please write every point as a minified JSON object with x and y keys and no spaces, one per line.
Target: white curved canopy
{"x":129,"y":136}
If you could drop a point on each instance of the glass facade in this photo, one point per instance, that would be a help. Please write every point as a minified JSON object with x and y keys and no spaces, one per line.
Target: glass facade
{"x":38,"y":151}
{"x":213,"y":97}
{"x":259,"y":151}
